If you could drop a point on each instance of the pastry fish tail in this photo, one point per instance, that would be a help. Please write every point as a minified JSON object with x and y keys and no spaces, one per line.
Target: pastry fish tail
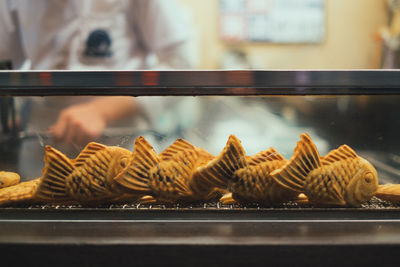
{"x":219,"y":171}
{"x":22,"y":192}
{"x":135,"y":179}
{"x":294,"y":173}
{"x":177,"y":147}
{"x":56,"y":170}
{"x":389,"y":192}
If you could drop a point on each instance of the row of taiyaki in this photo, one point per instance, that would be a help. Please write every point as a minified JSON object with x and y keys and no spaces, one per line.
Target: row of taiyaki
{"x":186,"y":173}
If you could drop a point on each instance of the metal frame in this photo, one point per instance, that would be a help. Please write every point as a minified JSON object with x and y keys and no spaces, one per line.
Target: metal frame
{"x":220,"y":82}
{"x":197,"y":237}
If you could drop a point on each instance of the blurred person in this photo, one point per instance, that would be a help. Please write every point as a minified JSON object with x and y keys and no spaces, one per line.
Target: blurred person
{"x":82,"y":35}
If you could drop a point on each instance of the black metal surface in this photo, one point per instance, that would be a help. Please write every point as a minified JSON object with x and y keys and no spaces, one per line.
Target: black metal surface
{"x":376,"y":223}
{"x":142,"y":83}
{"x":193,"y":255}
{"x":199,"y":235}
{"x":204,"y":243}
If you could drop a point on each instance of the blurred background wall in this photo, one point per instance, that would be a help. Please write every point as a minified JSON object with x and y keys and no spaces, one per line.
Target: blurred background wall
{"x":350,"y":38}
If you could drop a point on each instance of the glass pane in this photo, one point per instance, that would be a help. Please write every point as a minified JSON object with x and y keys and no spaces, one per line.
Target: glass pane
{"x":368,"y":124}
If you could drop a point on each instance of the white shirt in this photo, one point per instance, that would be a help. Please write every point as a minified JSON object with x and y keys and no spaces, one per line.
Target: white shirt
{"x":54,"y":33}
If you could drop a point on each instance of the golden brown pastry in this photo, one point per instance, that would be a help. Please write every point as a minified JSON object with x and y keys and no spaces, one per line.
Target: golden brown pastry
{"x":389,"y":192}
{"x":340,"y":178}
{"x":8,"y":179}
{"x":246,"y":177}
{"x":186,"y":173}
{"x":219,"y":171}
{"x":166,"y":177}
{"x":87,"y":179}
{"x":22,"y":192}
{"x":227,"y":199}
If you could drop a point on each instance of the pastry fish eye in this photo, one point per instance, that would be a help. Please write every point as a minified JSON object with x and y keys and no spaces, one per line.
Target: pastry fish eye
{"x":123,"y":162}
{"x":368,"y":177}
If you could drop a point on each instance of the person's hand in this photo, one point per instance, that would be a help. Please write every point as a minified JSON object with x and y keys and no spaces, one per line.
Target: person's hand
{"x":78,"y":124}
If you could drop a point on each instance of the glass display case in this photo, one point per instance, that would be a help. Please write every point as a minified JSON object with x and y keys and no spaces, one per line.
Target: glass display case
{"x":261,"y":108}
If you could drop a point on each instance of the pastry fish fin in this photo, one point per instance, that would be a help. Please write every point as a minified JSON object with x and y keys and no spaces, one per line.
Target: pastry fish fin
{"x":218,"y":172}
{"x":215,"y":194}
{"x":88,"y":151}
{"x":176,"y":147}
{"x":305,"y":159}
{"x":336,"y":194}
{"x":185,"y":164}
{"x":270,"y":154}
{"x":341,"y":153}
{"x":135,"y":178}
{"x":204,"y":155}
{"x":56,"y":170}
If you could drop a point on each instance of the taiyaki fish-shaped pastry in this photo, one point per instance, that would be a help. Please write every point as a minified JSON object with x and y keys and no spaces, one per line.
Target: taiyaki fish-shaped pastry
{"x":246,"y":177}
{"x":167,"y":176}
{"x":341,"y":178}
{"x":8,"y":179}
{"x":389,"y":192}
{"x":86,"y":179}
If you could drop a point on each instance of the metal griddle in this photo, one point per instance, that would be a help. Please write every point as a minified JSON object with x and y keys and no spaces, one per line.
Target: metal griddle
{"x":374,"y":209}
